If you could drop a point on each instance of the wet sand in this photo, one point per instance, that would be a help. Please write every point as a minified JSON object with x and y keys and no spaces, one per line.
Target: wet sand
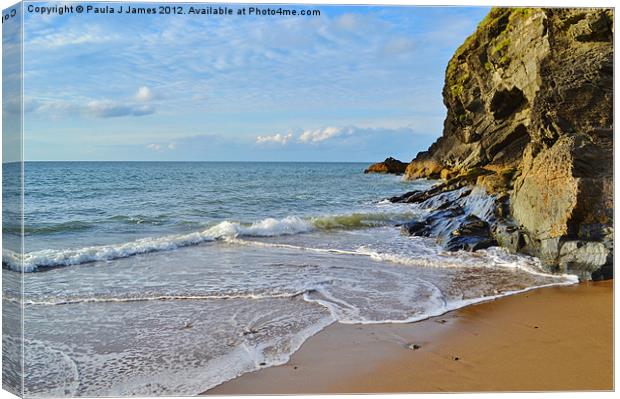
{"x":557,"y":338}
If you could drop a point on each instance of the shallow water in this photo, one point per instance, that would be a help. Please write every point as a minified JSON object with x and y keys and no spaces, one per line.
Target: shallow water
{"x":170,"y":278}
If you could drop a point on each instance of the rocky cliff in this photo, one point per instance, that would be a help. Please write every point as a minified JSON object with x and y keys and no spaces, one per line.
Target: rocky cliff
{"x":530,"y":119}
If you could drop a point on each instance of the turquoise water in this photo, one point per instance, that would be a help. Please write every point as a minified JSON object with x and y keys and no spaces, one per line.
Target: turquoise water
{"x":171,"y":278}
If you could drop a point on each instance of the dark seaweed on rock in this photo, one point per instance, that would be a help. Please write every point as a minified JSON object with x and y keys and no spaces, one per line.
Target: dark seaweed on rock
{"x":530,"y":119}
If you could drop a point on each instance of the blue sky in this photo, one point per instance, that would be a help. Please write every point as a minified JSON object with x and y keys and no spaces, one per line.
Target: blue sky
{"x":355,"y":84}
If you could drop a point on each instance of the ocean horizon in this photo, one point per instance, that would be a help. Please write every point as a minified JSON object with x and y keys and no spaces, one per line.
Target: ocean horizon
{"x":166,"y":161}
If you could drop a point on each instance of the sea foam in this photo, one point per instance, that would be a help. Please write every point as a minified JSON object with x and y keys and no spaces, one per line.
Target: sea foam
{"x":269,"y":227}
{"x":246,"y":303}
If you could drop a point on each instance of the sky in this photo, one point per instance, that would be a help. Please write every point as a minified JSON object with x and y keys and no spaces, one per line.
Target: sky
{"x":353,"y":84}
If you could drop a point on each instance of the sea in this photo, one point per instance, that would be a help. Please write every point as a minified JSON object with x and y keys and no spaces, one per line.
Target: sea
{"x":169,"y":278}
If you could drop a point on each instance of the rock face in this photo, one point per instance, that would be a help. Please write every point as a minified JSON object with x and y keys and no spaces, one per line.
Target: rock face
{"x":390,"y":165}
{"x":530,"y":104}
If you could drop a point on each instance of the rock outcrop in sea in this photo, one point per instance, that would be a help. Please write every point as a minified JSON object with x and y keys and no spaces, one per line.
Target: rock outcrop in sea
{"x":530,"y":121}
{"x":390,"y":165}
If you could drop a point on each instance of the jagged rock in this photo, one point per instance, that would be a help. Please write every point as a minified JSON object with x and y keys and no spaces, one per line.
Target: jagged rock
{"x":471,"y":235}
{"x":446,"y":174}
{"x":502,"y":206}
{"x":508,"y":235}
{"x":390,"y":165}
{"x":426,"y":168}
{"x":530,"y":101}
{"x":564,"y":189}
{"x":417,"y":196}
{"x":404,"y":197}
{"x":586,"y":256}
{"x":452,"y":226}
{"x":593,"y":27}
{"x":496,"y":183}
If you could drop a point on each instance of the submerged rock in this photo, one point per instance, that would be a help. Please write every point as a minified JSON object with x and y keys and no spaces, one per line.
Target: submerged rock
{"x":415,"y":228}
{"x":390,"y":165}
{"x":530,"y":118}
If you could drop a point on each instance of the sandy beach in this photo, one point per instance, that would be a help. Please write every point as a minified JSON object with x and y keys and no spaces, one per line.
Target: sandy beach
{"x":557,"y":338}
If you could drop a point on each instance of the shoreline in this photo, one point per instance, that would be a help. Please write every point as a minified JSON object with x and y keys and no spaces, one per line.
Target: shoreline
{"x":552,"y":338}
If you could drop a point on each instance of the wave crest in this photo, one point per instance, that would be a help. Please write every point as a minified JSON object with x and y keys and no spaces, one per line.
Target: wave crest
{"x":270,"y":227}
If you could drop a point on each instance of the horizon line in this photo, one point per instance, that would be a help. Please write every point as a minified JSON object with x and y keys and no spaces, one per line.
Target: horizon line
{"x":172,"y":161}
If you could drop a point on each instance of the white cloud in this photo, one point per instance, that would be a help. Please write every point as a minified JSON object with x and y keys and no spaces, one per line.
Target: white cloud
{"x":138,"y":105}
{"x":338,"y":135}
{"x":282,"y":139}
{"x":159,"y":147}
{"x":335,"y":143}
{"x":318,"y":135}
{"x":258,"y":75}
{"x":315,"y":136}
{"x":234,"y":57}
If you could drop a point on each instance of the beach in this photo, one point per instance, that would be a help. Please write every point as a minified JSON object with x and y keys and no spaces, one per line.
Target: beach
{"x":548,"y":339}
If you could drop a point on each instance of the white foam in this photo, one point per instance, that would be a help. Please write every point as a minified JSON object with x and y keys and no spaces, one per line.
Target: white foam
{"x":241,"y":360}
{"x":32,"y":261}
{"x":270,"y":227}
{"x":238,"y":241}
{"x":194,"y":380}
{"x":437,"y":311}
{"x":344,"y":289}
{"x":489,"y":258}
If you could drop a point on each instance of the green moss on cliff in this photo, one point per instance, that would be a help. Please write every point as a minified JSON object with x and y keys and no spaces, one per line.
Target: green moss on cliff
{"x":456,"y":90}
{"x":505,"y":60}
{"x":521,"y":12}
{"x":502,"y":45}
{"x":494,"y":17}
{"x":459,"y":81}
{"x":493,"y":25}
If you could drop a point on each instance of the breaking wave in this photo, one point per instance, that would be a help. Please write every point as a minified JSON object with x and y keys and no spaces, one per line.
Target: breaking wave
{"x":270,"y":227}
